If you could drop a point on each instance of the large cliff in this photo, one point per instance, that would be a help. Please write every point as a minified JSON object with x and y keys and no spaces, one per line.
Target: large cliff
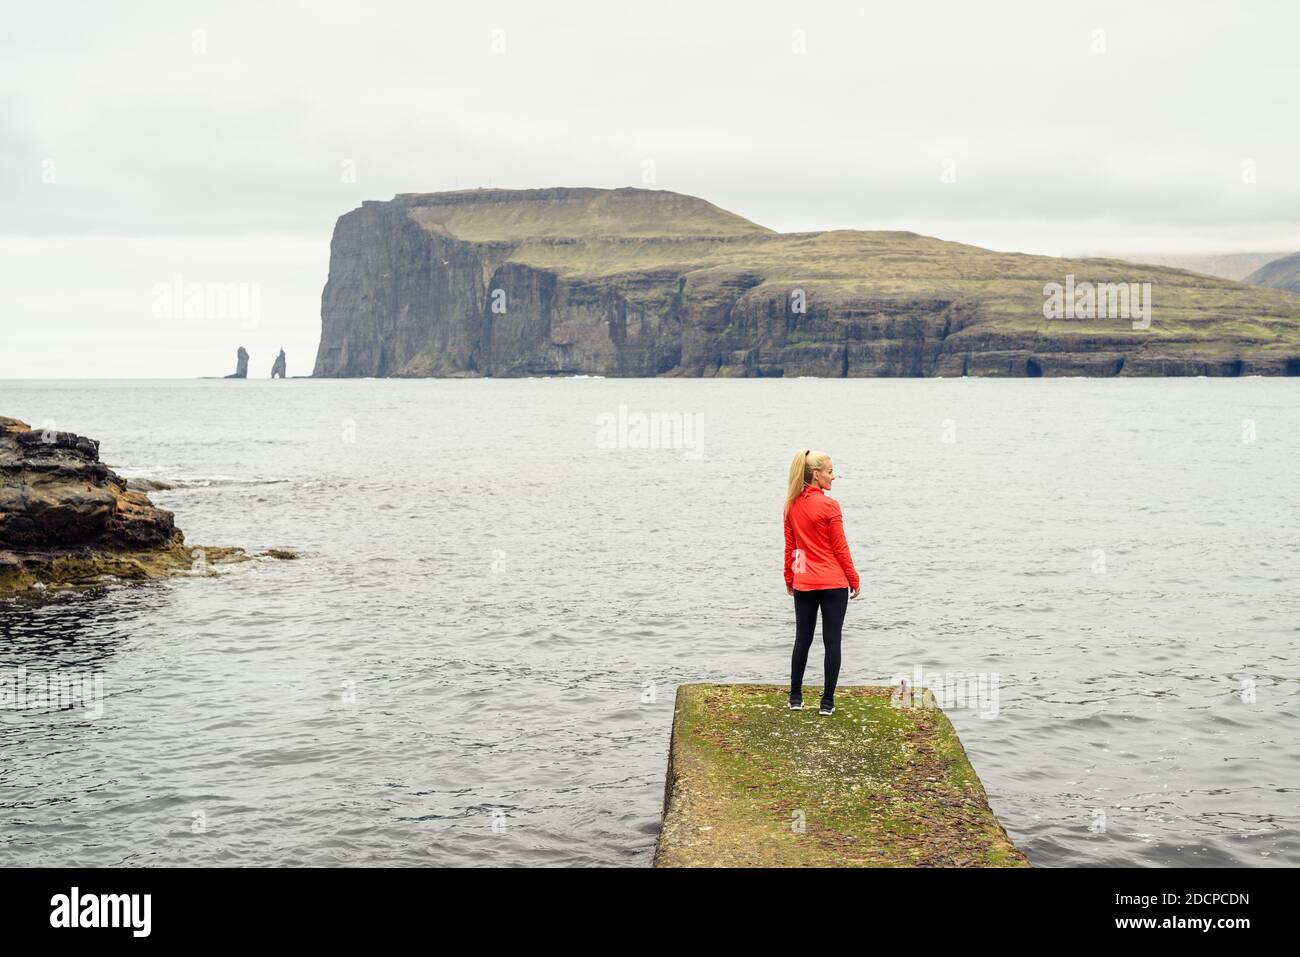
{"x":634,"y":282}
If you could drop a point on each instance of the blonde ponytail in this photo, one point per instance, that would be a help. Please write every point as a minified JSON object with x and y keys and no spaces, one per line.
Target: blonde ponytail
{"x":801,"y":470}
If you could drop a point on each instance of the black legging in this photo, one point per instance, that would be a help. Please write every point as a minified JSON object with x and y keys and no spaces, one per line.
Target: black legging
{"x":834,"y":602}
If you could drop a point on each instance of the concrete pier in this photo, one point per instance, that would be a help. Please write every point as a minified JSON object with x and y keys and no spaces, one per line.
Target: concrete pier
{"x":876,"y":784}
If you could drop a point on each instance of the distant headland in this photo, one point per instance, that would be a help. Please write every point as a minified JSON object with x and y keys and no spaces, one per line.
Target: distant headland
{"x":638,"y":282}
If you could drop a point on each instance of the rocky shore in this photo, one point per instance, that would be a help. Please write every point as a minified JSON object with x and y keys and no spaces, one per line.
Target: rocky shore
{"x":68,"y":520}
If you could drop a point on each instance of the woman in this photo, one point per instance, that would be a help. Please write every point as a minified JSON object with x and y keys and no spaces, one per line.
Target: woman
{"x":818,"y":569}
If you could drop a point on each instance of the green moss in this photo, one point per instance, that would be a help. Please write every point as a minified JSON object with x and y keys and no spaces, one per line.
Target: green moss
{"x":871,"y":785}
{"x":78,"y":571}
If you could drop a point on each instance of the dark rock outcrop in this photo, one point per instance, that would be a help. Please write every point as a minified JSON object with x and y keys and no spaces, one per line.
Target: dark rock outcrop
{"x":241,"y":365}
{"x":278,"y":368}
{"x":635,"y":282}
{"x":66,"y":518}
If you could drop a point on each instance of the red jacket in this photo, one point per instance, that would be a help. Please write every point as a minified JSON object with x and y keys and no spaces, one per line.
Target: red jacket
{"x":816,"y":553}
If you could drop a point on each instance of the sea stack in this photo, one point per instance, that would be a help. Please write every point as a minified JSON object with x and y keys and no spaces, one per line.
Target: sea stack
{"x":241,"y":365}
{"x":278,"y":369}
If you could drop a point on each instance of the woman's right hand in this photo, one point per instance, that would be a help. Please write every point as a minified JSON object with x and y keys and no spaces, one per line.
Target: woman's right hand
{"x":855,"y":593}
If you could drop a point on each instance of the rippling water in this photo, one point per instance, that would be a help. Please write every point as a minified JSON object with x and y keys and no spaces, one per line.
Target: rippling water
{"x":475,"y":659}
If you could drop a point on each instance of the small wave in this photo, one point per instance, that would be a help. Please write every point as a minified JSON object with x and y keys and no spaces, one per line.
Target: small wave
{"x":153,"y":483}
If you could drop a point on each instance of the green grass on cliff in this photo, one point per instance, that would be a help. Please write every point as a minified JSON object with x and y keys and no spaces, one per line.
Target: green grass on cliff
{"x":872,"y":785}
{"x":650,"y":240}
{"x":1007,"y":288}
{"x":516,"y":215}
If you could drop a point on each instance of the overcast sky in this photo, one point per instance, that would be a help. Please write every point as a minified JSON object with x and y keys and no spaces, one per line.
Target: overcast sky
{"x":218,"y":142}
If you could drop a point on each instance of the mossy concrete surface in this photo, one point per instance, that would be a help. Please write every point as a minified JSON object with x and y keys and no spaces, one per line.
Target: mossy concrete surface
{"x":754,"y":784}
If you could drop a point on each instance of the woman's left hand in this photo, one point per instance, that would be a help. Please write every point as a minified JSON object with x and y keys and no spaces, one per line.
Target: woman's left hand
{"x":789,"y":590}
